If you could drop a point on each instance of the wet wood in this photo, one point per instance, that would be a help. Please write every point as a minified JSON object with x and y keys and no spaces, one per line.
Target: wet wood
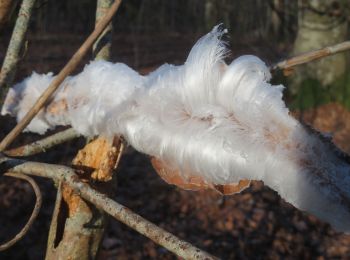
{"x":83,"y":223}
{"x":193,"y":181}
{"x":101,"y":156}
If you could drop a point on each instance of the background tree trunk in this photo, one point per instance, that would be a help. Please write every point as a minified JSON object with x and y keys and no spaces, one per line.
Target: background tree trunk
{"x":216,"y":12}
{"x":6,"y":9}
{"x":320,"y":23}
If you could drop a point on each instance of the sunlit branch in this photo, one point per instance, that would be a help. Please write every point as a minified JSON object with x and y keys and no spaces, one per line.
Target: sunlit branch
{"x":43,"y":144}
{"x":311,"y":56}
{"x":113,"y":208}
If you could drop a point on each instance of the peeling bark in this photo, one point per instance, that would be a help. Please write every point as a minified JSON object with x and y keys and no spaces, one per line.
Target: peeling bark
{"x":83,"y":224}
{"x":101,"y":156}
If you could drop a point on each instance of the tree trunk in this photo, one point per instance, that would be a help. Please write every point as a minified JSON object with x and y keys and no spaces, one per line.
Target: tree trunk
{"x":216,"y":12}
{"x":321,"y":23}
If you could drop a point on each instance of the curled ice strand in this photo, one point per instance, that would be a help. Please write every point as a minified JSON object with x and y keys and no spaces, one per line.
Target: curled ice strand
{"x":206,"y":124}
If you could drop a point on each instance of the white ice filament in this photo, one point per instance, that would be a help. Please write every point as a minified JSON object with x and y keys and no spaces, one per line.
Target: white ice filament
{"x":221,"y":122}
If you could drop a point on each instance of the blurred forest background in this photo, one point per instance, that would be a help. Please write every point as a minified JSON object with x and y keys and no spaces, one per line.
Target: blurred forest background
{"x":151,"y":32}
{"x":148,"y":33}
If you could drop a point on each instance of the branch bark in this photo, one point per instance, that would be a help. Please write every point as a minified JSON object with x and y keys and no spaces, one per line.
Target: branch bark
{"x":311,"y":56}
{"x":43,"y":144}
{"x":85,"y":224}
{"x":123,"y":214}
{"x":9,"y":66}
{"x":102,"y":47}
{"x":70,"y":66}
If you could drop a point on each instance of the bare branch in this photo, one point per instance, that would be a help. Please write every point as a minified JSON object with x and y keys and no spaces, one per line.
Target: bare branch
{"x":12,"y":57}
{"x":113,"y":208}
{"x":70,"y":66}
{"x":79,"y":240}
{"x":311,"y":56}
{"x":102,"y":47}
{"x":43,"y":144}
{"x":54,"y":221}
{"x":35,"y":212}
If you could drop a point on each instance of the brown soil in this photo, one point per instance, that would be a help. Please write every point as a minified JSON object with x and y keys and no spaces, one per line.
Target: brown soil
{"x":331,"y":119}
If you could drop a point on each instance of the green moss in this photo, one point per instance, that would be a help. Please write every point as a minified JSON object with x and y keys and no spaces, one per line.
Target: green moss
{"x":312,"y":93}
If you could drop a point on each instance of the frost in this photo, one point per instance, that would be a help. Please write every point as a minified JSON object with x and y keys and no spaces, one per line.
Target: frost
{"x":204,"y":119}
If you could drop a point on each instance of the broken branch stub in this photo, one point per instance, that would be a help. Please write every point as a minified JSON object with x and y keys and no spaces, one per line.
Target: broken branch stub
{"x":84,"y":223}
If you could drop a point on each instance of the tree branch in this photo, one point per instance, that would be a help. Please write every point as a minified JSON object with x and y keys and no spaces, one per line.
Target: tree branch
{"x":54,"y":221}
{"x":35,"y":212}
{"x":120,"y":153}
{"x":70,"y":66}
{"x":78,"y":239}
{"x":102,"y":47}
{"x":113,"y":208}
{"x":12,"y":57}
{"x":311,"y":56}
{"x":43,"y":144}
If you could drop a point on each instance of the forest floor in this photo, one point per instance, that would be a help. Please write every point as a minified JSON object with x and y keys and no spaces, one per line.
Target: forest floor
{"x":256,"y":224}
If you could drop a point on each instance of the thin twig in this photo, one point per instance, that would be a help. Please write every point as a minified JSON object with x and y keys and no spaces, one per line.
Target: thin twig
{"x":311,"y":56}
{"x":120,"y":153}
{"x":43,"y":144}
{"x":113,"y":208}
{"x":54,"y":220}
{"x":70,"y":66}
{"x":12,"y":57}
{"x":35,"y":212}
